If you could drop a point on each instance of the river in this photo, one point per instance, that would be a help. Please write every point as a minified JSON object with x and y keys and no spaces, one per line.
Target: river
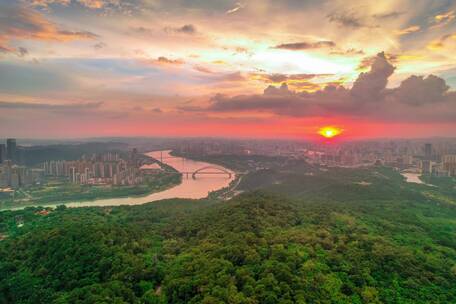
{"x":411,"y":177}
{"x":189,"y":188}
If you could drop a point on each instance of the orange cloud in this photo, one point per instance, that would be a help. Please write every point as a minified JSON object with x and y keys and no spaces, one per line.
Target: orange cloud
{"x":299,"y":82}
{"x":94,"y":4}
{"x":46,"y":3}
{"x":408,"y":30}
{"x":445,"y":17}
{"x":22,"y":23}
{"x":203,"y":69}
{"x":440,"y":43}
{"x":410,"y":57}
{"x":163,"y":62}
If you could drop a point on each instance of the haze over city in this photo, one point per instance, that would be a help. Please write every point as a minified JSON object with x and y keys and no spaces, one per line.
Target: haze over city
{"x":265,"y":69}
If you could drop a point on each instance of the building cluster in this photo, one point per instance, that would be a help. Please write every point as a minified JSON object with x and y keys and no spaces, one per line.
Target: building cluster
{"x":11,"y":151}
{"x":437,"y":164}
{"x":430,"y":158}
{"x":12,"y":172}
{"x":107,"y":168}
{"x":211,"y":147}
{"x":424,"y":158}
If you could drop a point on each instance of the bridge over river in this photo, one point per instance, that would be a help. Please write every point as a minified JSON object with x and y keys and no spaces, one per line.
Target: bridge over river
{"x":194,"y":188}
{"x":207,"y":170}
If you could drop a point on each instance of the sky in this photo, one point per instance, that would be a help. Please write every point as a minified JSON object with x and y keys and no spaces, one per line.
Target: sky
{"x":259,"y":68}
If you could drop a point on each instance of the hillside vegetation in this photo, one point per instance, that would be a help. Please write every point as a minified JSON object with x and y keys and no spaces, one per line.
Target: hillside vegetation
{"x":326,"y":238}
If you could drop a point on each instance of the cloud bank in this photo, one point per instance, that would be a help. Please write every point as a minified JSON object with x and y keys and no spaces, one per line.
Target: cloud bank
{"x":22,"y":23}
{"x":416,"y":99}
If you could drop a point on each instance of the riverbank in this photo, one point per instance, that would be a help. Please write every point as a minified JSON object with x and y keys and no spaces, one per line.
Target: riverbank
{"x":186,"y":188}
{"x":65,"y":192}
{"x":411,"y":177}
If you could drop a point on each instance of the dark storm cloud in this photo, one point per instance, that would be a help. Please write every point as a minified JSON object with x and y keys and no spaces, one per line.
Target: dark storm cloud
{"x":416,"y":99}
{"x":306,"y":45}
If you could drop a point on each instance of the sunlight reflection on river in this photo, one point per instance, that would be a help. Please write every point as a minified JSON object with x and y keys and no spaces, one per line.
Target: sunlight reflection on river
{"x":189,"y":188}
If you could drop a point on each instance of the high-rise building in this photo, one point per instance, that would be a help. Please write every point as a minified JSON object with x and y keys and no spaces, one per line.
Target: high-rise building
{"x":73,"y":174}
{"x":426,"y":166}
{"x":20,"y":155}
{"x":11,"y":149}
{"x":449,"y":164}
{"x":427,"y":151}
{"x":2,"y":153}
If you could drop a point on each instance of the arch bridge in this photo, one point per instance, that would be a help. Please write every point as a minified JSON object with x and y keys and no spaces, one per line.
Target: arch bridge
{"x":211,"y":170}
{"x":208,"y":170}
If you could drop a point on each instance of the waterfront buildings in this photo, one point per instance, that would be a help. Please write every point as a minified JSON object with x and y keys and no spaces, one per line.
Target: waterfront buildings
{"x":14,"y":176}
{"x":428,"y":151}
{"x":449,"y":164}
{"x":2,"y":153}
{"x":108,"y":168}
{"x":11,"y":150}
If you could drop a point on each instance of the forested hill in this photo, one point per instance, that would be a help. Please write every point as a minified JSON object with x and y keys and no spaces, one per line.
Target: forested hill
{"x":256,"y":248}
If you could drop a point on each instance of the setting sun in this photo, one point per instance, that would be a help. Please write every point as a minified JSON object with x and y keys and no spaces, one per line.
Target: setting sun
{"x":329,"y":132}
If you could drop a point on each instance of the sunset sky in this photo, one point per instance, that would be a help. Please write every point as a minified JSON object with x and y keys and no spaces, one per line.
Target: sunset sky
{"x":262,"y":68}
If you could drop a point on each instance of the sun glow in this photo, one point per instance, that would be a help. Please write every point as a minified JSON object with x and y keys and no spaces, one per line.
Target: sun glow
{"x":329,"y":132}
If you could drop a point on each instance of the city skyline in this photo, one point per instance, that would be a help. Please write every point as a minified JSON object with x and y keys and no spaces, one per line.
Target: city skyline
{"x":252,"y":69}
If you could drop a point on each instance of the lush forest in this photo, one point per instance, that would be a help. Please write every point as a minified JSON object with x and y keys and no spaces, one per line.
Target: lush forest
{"x":316,"y":236}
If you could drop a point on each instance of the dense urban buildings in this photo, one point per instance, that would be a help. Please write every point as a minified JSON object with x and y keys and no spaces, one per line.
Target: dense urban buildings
{"x":11,"y":149}
{"x":434,"y":157}
{"x":107,"y":168}
{"x":427,"y":158}
{"x":2,"y":153}
{"x":12,"y":173}
{"x":15,"y":176}
{"x":449,"y":164}
{"x":96,"y":169}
